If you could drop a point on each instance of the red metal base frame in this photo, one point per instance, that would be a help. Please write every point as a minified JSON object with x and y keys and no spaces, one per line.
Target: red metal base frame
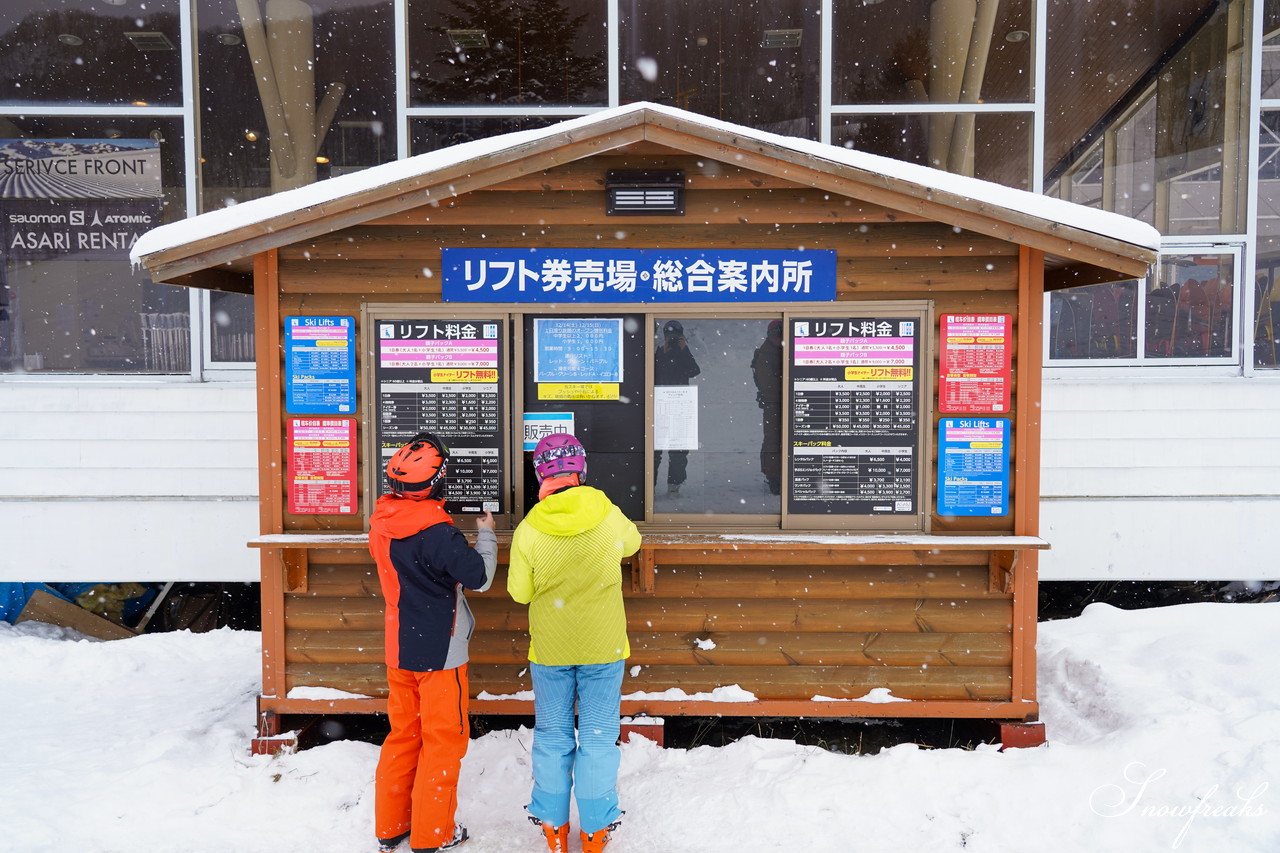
{"x":652,"y":728}
{"x":1021,"y":735}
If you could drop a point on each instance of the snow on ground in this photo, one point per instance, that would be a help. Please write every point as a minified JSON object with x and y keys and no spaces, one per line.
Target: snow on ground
{"x":1164,"y":727}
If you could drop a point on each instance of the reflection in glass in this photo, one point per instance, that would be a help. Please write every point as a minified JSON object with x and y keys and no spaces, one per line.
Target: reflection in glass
{"x":1174,"y":154}
{"x":932,"y":51}
{"x":70,"y":301}
{"x":1266,"y":319}
{"x":724,"y":455}
{"x":431,"y":134}
{"x":507,"y":52}
{"x":326,"y":108}
{"x":992,"y":146}
{"x":231,"y":327}
{"x":746,"y":61}
{"x":90,"y":52}
{"x":322,"y":106}
{"x":1135,"y":146}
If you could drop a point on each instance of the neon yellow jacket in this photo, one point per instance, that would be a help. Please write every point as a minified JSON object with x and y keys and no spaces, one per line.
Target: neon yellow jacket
{"x":566,"y":565}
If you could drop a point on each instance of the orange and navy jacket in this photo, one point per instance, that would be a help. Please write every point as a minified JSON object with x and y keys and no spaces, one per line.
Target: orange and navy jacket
{"x":423,"y":564}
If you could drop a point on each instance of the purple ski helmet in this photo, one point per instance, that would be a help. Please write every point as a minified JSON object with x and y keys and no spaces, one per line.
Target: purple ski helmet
{"x":559,"y":453}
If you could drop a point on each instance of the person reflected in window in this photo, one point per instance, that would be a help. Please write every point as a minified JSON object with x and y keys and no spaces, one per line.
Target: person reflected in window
{"x":766,"y":369}
{"x":673,"y":364}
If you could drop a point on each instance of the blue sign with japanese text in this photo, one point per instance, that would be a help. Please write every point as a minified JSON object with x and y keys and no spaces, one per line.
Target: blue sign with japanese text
{"x":639,"y":275}
{"x":577,"y":349}
{"x":320,"y":365}
{"x":973,"y":466}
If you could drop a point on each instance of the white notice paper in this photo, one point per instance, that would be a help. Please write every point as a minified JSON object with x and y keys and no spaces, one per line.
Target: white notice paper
{"x":675,"y":417}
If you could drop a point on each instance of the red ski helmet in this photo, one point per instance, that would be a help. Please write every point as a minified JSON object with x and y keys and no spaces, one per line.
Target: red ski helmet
{"x":417,"y":469}
{"x":559,"y":453}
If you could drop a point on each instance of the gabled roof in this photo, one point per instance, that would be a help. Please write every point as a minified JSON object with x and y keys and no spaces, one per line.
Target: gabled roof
{"x":1091,"y":245}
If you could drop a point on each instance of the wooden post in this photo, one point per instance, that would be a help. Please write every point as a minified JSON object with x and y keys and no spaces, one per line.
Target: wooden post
{"x":1026,"y":520}
{"x":266,"y":309}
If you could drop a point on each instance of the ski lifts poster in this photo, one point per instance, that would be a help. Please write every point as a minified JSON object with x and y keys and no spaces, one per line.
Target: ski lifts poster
{"x":445,"y":377}
{"x":854,"y":427}
{"x":976,"y":363}
{"x":321,"y":454}
{"x":320,"y":365}
{"x":973,"y":466}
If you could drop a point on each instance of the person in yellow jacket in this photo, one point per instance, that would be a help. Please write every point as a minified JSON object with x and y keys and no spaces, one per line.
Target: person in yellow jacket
{"x":566,"y":564}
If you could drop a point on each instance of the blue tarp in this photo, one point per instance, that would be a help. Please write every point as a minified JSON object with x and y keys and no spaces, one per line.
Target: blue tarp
{"x":14,"y":596}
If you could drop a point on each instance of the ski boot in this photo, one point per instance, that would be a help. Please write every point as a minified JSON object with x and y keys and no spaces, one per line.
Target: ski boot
{"x":596,"y":841}
{"x":459,"y":836}
{"x":557,"y":836}
{"x":390,"y":845}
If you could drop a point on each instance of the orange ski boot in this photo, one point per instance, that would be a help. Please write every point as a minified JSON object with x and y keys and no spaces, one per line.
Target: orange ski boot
{"x":557,"y":837}
{"x":596,"y":841}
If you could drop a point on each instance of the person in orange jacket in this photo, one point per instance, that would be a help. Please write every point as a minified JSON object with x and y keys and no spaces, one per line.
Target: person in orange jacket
{"x":424,"y":562}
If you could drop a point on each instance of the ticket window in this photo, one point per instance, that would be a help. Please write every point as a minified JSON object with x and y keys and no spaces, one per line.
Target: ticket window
{"x":717,"y":415}
{"x":806,"y":418}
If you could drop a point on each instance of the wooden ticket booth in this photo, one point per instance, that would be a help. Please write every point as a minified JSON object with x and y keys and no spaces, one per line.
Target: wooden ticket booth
{"x":838,"y":522}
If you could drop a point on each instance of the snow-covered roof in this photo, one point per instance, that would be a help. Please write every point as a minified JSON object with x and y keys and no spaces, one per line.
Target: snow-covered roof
{"x":280,"y":212}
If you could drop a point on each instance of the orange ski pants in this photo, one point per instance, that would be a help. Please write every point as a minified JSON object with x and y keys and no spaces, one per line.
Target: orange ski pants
{"x":416,"y":788}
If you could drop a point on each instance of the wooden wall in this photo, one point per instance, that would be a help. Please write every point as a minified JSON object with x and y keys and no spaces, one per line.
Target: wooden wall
{"x":782,"y":625}
{"x":785,"y":624}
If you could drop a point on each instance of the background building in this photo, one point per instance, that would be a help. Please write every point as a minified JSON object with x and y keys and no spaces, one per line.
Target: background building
{"x":127,"y":437}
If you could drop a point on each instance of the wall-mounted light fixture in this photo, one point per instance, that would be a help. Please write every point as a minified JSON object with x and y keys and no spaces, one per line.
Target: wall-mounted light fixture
{"x":778,"y":39}
{"x":650,"y":192}
{"x":149,"y":41}
{"x":467,"y":39}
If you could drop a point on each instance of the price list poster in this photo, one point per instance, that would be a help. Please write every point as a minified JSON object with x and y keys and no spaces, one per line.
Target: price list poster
{"x":976,"y":363}
{"x":854,"y":426}
{"x":445,"y":377}
{"x":321,"y":455}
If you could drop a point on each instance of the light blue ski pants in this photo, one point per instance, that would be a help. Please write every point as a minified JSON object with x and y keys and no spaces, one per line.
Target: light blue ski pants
{"x":588,"y":765}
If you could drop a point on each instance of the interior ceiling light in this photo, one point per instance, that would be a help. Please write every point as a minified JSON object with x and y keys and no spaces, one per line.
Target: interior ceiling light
{"x":467,"y":39}
{"x":149,"y":41}
{"x":782,"y":38}
{"x":69,"y":39}
{"x":229,"y":39}
{"x":1016,"y":36}
{"x":115,"y":2}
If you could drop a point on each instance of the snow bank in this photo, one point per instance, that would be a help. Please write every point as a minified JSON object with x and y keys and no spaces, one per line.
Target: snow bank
{"x":1164,"y":734}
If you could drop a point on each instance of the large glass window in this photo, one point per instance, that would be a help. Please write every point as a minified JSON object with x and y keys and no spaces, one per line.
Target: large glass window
{"x":992,"y":146}
{"x":1184,"y":314}
{"x":1266,"y":319}
{"x":1174,"y":153}
{"x":102,"y":52}
{"x":430,"y":134}
{"x":289,"y":95}
{"x":750,"y":62}
{"x":507,"y":53}
{"x":74,"y":196}
{"x":717,"y":415}
{"x":932,"y":51}
{"x":291,"y":99}
{"x":1135,"y":146}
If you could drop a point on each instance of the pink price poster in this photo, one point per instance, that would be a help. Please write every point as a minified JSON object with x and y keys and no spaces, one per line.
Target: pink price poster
{"x":321,"y":455}
{"x":976,"y":364}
